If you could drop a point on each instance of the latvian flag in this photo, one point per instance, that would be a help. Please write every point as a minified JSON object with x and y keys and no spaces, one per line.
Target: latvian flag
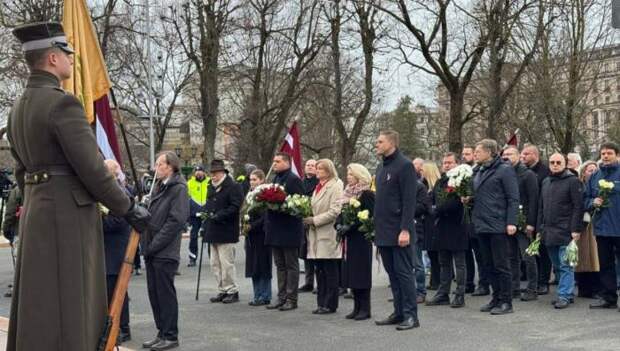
{"x":90,"y":81}
{"x":291,"y":146}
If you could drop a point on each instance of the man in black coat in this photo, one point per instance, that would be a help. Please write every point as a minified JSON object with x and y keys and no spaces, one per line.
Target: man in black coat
{"x":395,"y":205}
{"x":310,"y":182}
{"x":221,"y":230}
{"x":115,"y":239}
{"x":161,"y":246}
{"x":284,"y":234}
{"x":473,"y":253}
{"x":451,"y":241}
{"x":530,"y":156}
{"x":496,"y":205}
{"x":560,"y":220}
{"x":528,"y":211}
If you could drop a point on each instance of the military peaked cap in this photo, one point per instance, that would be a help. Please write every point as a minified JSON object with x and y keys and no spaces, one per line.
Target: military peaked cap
{"x":42,"y":35}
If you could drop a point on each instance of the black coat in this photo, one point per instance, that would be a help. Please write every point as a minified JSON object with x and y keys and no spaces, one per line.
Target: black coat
{"x":560,"y":210}
{"x":395,"y":200}
{"x":257,"y":254}
{"x":496,"y":197}
{"x":282,"y":230}
{"x":423,"y":217}
{"x":309,"y":184}
{"x":357,"y":260}
{"x":451,"y":232}
{"x":115,"y":239}
{"x":542,"y":171}
{"x":528,"y":193}
{"x":169,"y":207}
{"x":223,"y":205}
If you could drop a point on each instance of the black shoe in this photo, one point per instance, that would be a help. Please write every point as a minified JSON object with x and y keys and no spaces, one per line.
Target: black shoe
{"x":438,"y":300}
{"x":124,"y":336}
{"x":504,"y":308}
{"x":276,"y":305}
{"x":391,"y":320}
{"x":458,"y":301}
{"x":601,"y":304}
{"x":137,"y":271}
{"x":231,"y":298}
{"x":352,"y":314}
{"x":571,"y":300}
{"x":470,"y":289}
{"x":219,"y":298}
{"x":348,"y":295}
{"x":554,"y":282}
{"x":543,"y":290}
{"x":362,"y":316}
{"x":192,"y":263}
{"x":315,"y":291}
{"x":9,"y":293}
{"x":322,"y":310}
{"x":516,"y":294}
{"x":288,"y":306}
{"x":165,"y":345}
{"x":481,"y":291}
{"x":306,"y":288}
{"x":529,"y":295}
{"x":561,"y":304}
{"x":177,"y":273}
{"x":342,"y":291}
{"x":408,"y":323}
{"x":259,"y":303}
{"x":151,"y":343}
{"x":488,"y":307}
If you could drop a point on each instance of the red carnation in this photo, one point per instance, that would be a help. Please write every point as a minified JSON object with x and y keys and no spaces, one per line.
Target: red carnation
{"x":449,"y":189}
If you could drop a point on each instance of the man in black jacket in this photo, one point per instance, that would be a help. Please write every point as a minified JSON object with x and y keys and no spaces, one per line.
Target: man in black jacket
{"x":496,"y":204}
{"x":467,"y":157}
{"x":395,"y":205}
{"x":310,"y":182}
{"x":221,"y":229}
{"x":283,"y":233}
{"x":530,"y":156}
{"x":560,"y":220}
{"x":161,"y":244}
{"x":528,"y":210}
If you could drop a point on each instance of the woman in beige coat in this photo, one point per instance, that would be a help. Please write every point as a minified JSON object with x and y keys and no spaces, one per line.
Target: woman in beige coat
{"x":323,"y":247}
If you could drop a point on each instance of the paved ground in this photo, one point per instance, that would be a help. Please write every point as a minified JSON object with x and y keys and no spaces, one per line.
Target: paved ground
{"x":205,"y":326}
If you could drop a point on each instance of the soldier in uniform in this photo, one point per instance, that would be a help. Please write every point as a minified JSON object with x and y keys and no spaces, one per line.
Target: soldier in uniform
{"x":59,"y":300}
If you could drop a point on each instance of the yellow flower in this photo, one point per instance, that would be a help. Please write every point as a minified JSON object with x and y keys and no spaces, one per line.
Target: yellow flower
{"x":363,"y":215}
{"x":354,"y":203}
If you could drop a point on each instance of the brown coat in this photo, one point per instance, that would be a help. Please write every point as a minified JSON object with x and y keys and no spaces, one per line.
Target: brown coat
{"x":322,"y":241}
{"x":59,"y":298}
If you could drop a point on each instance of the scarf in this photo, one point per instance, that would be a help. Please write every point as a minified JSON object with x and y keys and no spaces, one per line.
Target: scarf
{"x":353,"y":191}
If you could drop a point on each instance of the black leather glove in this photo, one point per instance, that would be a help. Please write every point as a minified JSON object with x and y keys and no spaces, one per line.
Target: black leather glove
{"x":138,"y":217}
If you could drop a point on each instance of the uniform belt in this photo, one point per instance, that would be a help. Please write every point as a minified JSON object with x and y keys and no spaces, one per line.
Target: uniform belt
{"x":43,"y":176}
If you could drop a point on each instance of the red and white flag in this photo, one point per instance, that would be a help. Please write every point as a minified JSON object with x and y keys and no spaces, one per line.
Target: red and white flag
{"x":514,"y":139}
{"x":291,"y":146}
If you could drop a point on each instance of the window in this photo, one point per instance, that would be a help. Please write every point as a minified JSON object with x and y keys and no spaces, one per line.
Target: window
{"x":595,"y":120}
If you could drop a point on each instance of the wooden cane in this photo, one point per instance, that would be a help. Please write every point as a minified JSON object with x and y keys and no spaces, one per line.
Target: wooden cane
{"x":120,"y":291}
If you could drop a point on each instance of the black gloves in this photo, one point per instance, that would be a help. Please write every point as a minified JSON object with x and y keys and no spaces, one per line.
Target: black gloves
{"x":341,"y":231}
{"x":138,"y":217}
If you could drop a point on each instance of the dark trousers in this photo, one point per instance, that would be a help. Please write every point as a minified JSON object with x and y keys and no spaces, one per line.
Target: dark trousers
{"x":483,"y":273}
{"x":193,"y":237}
{"x":607,"y":259}
{"x":398,"y":263}
{"x":544,"y":266}
{"x":163,"y":296}
{"x":446,"y":259}
{"x":588,"y":284}
{"x":286,"y":260}
{"x":111,"y":284}
{"x":495,"y":249}
{"x":137,"y":260}
{"x":310,"y":271}
{"x":470,"y":266}
{"x":433,"y":256}
{"x":361,"y":301}
{"x":327,"y":277}
{"x":518,"y":243}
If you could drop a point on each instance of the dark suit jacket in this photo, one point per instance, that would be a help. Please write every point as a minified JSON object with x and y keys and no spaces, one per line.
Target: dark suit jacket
{"x":395,"y":200}
{"x":282,"y":230}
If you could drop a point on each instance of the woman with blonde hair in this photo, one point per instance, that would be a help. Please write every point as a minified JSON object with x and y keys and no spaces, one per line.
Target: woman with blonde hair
{"x":323,"y":246}
{"x":430,"y":176}
{"x":357,"y":256}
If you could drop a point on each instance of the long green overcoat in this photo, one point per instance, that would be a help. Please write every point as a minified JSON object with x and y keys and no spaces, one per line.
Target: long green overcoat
{"x":59,"y":297}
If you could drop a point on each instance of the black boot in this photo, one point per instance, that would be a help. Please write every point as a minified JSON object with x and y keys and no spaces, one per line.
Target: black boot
{"x":356,"y":306}
{"x":364,"y":304}
{"x":458,"y":301}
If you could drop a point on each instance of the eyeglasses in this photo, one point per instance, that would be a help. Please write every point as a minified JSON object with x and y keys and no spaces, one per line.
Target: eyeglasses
{"x":559,"y":163}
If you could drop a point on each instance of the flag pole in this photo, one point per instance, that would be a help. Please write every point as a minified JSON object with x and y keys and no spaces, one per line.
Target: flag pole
{"x":126,"y":142}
